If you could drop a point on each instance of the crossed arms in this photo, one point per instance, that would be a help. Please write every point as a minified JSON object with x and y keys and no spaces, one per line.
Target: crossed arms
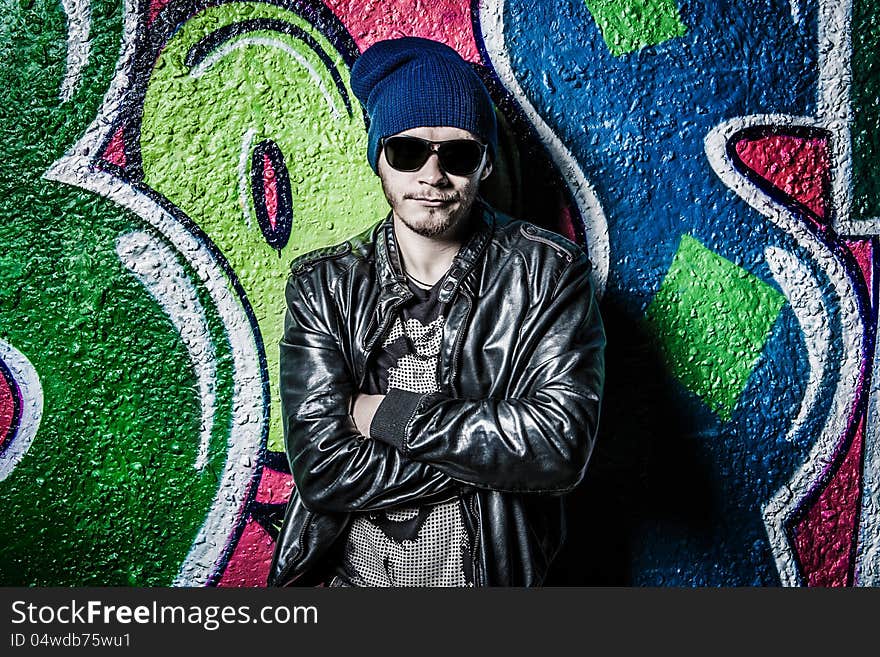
{"x":425,"y":444}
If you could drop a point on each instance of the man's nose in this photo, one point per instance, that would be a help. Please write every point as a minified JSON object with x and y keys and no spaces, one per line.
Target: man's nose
{"x":431,"y":171}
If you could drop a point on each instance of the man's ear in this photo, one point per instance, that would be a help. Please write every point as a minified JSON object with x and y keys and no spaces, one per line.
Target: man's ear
{"x":487,"y":169}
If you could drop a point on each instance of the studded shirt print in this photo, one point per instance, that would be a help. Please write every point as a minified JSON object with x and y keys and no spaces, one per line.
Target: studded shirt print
{"x":418,"y":546}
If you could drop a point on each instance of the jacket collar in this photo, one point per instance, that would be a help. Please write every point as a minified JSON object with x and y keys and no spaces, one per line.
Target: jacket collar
{"x":392,"y":279}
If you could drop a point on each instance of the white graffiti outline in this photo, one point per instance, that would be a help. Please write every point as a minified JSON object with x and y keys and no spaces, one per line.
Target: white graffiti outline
{"x":244,"y":197}
{"x":834,"y":109}
{"x":99,"y":130}
{"x":202,"y":67}
{"x":867,"y":571}
{"x":28,"y":382}
{"x":79,"y":23}
{"x":249,"y":402}
{"x":781,"y":505}
{"x":156,"y":266}
{"x":805,"y":297}
{"x":595,"y":223}
{"x":836,"y":89}
{"x":248,"y":418}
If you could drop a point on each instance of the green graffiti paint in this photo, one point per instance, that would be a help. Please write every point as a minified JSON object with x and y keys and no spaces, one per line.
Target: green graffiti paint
{"x":710,"y":319}
{"x":36,"y":123}
{"x":628,"y":25}
{"x":200,"y":125}
{"x":866,"y":112}
{"x":107,"y":493}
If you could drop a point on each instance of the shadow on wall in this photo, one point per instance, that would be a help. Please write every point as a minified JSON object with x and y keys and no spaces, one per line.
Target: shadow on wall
{"x":627,"y":472}
{"x":643,"y":468}
{"x":524,"y":183}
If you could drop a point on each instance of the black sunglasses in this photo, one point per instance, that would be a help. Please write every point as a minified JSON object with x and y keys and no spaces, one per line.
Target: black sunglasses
{"x":460,"y":157}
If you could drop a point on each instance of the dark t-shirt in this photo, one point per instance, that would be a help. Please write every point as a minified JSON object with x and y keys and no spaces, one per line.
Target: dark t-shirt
{"x":427,"y":545}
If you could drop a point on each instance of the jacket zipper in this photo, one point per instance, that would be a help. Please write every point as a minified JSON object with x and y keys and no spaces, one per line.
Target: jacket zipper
{"x":458,"y":338}
{"x":530,"y":235}
{"x":477,"y":566}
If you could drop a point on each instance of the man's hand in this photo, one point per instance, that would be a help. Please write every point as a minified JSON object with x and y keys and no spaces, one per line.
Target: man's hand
{"x":363,"y":409}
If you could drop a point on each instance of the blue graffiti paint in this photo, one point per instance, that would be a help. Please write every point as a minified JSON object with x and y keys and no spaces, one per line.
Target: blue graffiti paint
{"x":683,"y":489}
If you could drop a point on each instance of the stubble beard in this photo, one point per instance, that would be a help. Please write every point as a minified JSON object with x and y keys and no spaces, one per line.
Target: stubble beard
{"x":438,"y":223}
{"x":442,"y":222}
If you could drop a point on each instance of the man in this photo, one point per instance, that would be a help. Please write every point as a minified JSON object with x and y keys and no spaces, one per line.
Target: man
{"x":441,"y":373}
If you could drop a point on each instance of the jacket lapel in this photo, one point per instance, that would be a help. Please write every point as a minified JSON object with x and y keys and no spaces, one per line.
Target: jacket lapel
{"x":394,"y":291}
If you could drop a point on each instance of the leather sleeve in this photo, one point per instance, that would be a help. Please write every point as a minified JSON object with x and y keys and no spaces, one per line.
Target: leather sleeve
{"x":334,"y":467}
{"x":539,"y":441}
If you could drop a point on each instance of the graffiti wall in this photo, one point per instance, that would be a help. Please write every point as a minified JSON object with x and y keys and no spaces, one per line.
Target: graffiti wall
{"x":164,"y":160}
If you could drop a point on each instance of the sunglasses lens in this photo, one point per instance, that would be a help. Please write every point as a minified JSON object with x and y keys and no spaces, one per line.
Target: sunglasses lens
{"x":406,"y":153}
{"x":460,"y":157}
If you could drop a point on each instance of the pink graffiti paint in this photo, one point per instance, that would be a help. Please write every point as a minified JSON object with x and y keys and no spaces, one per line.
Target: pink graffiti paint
{"x":566,"y":225}
{"x":863,"y":252}
{"x":115,"y":151}
{"x":8,"y":396}
{"x":797,"y":166}
{"x":156,"y":6}
{"x":250,"y":561}
{"x":275,"y":487}
{"x":270,"y":191}
{"x":448,"y":21}
{"x":824,"y":539}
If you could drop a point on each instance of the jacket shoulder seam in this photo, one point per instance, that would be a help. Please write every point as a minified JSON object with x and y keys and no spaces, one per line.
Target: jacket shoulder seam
{"x":562,"y":245}
{"x":306,"y":261}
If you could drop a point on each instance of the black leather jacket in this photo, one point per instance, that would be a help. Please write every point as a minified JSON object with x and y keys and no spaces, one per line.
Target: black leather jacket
{"x":510,"y":431}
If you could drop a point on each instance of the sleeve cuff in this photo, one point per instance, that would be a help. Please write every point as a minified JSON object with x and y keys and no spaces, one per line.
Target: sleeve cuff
{"x":392,"y":416}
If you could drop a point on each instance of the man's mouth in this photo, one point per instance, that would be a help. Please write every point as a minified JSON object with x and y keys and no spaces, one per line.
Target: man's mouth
{"x":432,"y":200}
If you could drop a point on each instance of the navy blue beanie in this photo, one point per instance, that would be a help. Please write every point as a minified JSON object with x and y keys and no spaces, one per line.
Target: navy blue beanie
{"x":412,"y":83}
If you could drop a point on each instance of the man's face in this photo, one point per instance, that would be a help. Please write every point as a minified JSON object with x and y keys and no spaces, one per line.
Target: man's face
{"x":432,"y":202}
